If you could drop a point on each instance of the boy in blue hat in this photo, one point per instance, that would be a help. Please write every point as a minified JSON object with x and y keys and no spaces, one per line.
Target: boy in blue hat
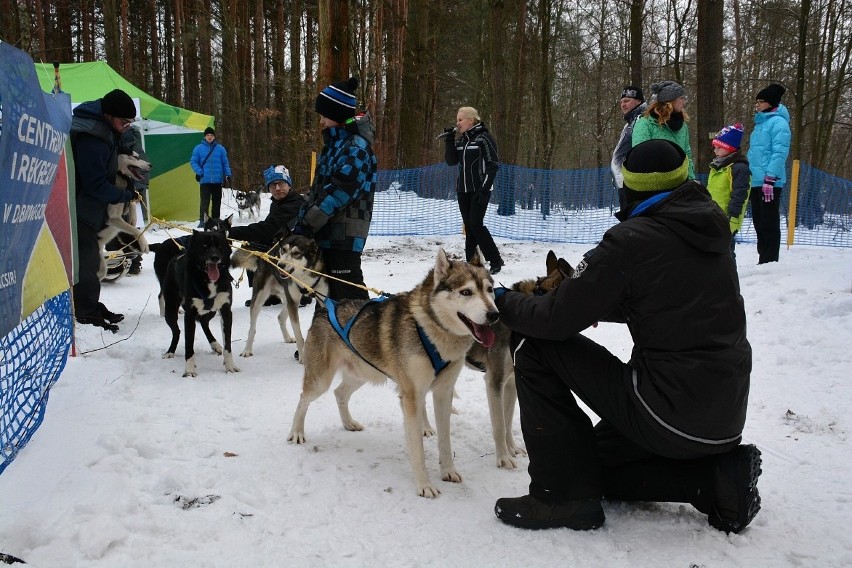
{"x":730,"y":179}
{"x":283,"y":209}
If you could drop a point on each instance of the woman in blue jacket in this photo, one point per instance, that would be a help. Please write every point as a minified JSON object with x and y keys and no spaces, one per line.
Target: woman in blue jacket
{"x":769,"y":146}
{"x":211,"y":166}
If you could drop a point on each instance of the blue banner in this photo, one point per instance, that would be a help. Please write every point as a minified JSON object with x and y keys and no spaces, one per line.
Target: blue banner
{"x":34,"y":127}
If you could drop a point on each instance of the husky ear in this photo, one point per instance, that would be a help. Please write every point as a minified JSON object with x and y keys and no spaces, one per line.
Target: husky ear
{"x":442,"y":265}
{"x":565,"y":268}
{"x":551,"y":263}
{"x":477,"y":258}
{"x":229,"y":220}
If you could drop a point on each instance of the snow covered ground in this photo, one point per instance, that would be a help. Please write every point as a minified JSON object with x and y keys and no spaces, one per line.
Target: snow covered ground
{"x":136,"y":466}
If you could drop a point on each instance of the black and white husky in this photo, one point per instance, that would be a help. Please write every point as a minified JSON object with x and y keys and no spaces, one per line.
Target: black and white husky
{"x":199,"y":280}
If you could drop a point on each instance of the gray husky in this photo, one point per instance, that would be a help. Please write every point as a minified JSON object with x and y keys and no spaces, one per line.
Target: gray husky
{"x":496,"y":361}
{"x":299,"y":264}
{"x":121,"y":217}
{"x":417,"y":338}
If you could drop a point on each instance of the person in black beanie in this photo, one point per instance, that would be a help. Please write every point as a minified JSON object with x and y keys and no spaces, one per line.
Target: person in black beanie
{"x":671,"y":419}
{"x":632,"y":104}
{"x":339,"y":204}
{"x":96,"y":128}
{"x":769,"y":146}
{"x":212,"y":169}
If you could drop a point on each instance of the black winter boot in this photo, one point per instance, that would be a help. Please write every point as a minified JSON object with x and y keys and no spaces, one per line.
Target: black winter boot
{"x":736,"y":500}
{"x":529,"y":512}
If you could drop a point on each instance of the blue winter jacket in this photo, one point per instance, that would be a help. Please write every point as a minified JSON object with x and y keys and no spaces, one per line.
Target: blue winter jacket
{"x":217,"y":165}
{"x":769,"y":146}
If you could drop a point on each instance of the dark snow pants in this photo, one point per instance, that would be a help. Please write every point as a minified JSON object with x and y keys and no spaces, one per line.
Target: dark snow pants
{"x":626,"y":456}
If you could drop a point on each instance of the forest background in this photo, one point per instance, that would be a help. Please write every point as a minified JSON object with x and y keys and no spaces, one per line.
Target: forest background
{"x":546,"y":75}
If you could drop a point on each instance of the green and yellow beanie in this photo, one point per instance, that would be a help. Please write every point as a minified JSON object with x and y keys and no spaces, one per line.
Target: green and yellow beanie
{"x":653,"y":166}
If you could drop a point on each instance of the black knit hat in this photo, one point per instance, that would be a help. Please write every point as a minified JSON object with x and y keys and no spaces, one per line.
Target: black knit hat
{"x":633,"y":93}
{"x":771,"y":94}
{"x":655,"y":165}
{"x":209,"y":130}
{"x":337,"y":101}
{"x":117,"y":103}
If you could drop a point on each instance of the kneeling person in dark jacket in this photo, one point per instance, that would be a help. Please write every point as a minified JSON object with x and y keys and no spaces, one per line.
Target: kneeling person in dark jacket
{"x":284,"y":208}
{"x":671,"y":419}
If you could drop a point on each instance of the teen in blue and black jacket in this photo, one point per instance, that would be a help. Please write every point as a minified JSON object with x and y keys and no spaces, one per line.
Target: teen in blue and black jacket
{"x":339,"y":205}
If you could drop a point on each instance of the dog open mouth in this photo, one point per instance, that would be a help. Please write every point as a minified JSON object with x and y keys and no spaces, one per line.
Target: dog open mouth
{"x":482,"y":333}
{"x":136,"y":173}
{"x":212,"y":270}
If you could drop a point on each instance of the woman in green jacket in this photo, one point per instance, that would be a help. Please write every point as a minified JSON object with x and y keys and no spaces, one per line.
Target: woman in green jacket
{"x":665,"y":119}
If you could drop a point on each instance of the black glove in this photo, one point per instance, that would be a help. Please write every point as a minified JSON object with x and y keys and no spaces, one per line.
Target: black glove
{"x":448,"y":134}
{"x":228,"y":181}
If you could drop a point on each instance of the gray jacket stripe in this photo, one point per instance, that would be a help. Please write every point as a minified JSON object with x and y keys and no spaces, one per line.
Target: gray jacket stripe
{"x":671,"y":428}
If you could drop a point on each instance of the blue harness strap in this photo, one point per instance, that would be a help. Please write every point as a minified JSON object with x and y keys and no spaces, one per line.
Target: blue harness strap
{"x":438,"y":364}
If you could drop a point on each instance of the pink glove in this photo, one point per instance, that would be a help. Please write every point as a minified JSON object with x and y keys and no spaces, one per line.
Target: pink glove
{"x":768,"y":189}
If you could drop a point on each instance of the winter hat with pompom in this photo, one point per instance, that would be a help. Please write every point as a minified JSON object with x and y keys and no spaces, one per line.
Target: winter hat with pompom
{"x":277,"y":173}
{"x":337,"y":101}
{"x":729,"y":138}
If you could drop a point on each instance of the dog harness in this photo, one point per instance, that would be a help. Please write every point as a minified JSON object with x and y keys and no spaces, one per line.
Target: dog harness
{"x":438,"y":364}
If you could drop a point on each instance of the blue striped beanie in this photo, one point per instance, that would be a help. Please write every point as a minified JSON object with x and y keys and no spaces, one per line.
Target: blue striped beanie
{"x":337,"y":101}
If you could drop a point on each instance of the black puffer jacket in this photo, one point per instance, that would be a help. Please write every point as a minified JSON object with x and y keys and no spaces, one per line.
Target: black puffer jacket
{"x":667,"y":273}
{"x":476,"y":154}
{"x":95,"y":148}
{"x":281,"y":212}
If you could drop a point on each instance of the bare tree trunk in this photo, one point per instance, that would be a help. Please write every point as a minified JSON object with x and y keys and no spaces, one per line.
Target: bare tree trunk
{"x":112,"y":34}
{"x":333,"y":41}
{"x":799,"y":94}
{"x":636,"y":12}
{"x":414,"y":141}
{"x":177,"y":72}
{"x":709,"y":86}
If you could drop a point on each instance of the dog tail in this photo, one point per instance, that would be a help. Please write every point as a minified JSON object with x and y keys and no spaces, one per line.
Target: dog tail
{"x":244,"y":259}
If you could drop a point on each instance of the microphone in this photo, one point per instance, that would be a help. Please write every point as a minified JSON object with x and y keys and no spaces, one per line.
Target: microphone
{"x":445,"y":133}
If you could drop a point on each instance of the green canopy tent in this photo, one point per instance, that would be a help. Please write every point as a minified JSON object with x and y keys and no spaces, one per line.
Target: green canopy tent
{"x":169,"y":133}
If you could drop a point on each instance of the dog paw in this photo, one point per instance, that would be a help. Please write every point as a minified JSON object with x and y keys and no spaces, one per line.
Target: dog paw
{"x":190,"y":370}
{"x":517,"y":451}
{"x":296,"y":437}
{"x":217,"y":347}
{"x":428,"y":491}
{"x":452,"y":476}
{"x":168,"y":355}
{"x":246,"y":353}
{"x":506,"y":462}
{"x":353,"y":426}
{"x":229,"y":363}
{"x":428,"y":432}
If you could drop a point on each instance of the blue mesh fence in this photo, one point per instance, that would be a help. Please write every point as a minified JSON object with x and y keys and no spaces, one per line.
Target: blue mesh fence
{"x":577,"y":206}
{"x":33,"y":356}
